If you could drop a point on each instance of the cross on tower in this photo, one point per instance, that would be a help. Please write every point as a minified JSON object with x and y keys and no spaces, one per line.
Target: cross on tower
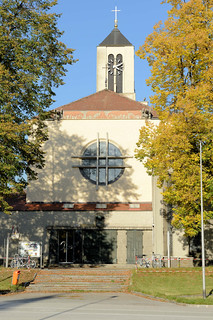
{"x":116,"y":16}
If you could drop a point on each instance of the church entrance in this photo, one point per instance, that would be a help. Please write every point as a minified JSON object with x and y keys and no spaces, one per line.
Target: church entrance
{"x":82,"y":246}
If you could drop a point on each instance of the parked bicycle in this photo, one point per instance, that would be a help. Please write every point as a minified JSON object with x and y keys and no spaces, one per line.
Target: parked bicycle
{"x":22,"y":262}
{"x":157,"y":261}
{"x":142,"y":261}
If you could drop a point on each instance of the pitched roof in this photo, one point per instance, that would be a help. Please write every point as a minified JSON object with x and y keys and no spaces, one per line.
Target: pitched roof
{"x":115,"y":38}
{"x":106,"y":104}
{"x":104,"y":100}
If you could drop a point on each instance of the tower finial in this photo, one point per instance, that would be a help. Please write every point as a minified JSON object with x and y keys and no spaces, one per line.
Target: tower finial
{"x":116,"y":16}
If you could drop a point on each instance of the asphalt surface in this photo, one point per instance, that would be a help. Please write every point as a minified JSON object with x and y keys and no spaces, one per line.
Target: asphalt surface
{"x":95,"y":306}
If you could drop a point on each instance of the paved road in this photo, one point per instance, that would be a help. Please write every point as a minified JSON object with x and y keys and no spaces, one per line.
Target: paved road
{"x":94,"y":306}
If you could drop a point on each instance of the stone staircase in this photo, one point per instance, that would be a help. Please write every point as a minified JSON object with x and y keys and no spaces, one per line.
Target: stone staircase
{"x":98,"y":279}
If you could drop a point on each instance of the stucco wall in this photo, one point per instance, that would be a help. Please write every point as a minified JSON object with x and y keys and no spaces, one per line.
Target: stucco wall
{"x":59,"y":181}
{"x":33,"y":226}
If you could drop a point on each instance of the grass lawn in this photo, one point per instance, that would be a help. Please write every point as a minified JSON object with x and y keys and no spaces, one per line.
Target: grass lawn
{"x":6,"y":279}
{"x":180,"y":285}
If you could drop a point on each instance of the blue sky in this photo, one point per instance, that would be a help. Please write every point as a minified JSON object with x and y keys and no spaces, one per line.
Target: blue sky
{"x":86,"y":23}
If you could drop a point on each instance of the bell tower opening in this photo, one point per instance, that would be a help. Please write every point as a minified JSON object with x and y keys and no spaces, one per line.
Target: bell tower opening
{"x":110,"y":72}
{"x":115,"y":73}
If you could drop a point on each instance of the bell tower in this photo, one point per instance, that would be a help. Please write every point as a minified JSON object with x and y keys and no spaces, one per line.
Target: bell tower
{"x":115,"y":63}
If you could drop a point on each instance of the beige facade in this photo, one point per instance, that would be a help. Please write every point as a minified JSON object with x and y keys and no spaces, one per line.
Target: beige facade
{"x":129,"y":208}
{"x":36,"y":226}
{"x":61,"y":181}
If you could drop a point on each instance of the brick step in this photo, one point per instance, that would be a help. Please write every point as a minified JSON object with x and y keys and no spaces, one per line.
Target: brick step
{"x":85,"y":275}
{"x":80,"y":273}
{"x":79,"y":285}
{"x":80,"y":280}
{"x":75,"y":289}
{"x":75,"y":278}
{"x":69,"y":284}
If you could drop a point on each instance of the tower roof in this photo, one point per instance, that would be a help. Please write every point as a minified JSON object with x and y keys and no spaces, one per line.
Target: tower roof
{"x":115,"y":38}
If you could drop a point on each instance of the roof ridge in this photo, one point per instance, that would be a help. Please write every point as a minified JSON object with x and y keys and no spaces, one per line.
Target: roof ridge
{"x":115,"y":38}
{"x":90,"y":95}
{"x":99,"y":92}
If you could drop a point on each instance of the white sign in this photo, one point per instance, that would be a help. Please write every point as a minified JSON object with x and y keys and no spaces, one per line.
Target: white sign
{"x":30,"y":248}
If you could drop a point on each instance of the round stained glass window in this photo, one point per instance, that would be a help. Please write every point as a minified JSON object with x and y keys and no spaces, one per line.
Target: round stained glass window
{"x":102,"y":163}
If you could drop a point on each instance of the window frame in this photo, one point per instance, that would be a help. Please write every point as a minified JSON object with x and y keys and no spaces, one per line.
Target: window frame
{"x":97,"y":166}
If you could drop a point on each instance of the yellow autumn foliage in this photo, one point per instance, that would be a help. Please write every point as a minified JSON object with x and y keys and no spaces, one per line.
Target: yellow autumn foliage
{"x":180,"y":54}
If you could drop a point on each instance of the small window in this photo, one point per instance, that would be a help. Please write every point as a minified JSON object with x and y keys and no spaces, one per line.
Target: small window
{"x":134,"y":205}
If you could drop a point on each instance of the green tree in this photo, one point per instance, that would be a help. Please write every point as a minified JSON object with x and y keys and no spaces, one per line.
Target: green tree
{"x":32,"y":64}
{"x":180,"y":54}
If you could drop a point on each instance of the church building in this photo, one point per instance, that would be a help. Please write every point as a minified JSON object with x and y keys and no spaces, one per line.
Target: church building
{"x":93,"y":202}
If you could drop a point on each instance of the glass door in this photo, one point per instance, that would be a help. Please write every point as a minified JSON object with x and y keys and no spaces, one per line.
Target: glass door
{"x":66,"y":246}
{"x":70,"y":246}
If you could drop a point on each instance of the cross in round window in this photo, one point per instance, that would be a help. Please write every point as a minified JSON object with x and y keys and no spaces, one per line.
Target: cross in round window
{"x":102,"y":163}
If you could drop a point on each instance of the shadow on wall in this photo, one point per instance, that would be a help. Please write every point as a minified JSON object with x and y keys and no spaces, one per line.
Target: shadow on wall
{"x":208,"y":234}
{"x":82,"y":246}
{"x":58,"y":181}
{"x":66,"y":237}
{"x":195,"y":246}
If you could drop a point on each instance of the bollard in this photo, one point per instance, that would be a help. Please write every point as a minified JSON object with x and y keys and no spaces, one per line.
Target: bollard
{"x":15,"y":279}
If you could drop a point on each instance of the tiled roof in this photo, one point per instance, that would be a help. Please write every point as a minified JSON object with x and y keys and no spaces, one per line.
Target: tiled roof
{"x":106,"y":100}
{"x":115,"y":38}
